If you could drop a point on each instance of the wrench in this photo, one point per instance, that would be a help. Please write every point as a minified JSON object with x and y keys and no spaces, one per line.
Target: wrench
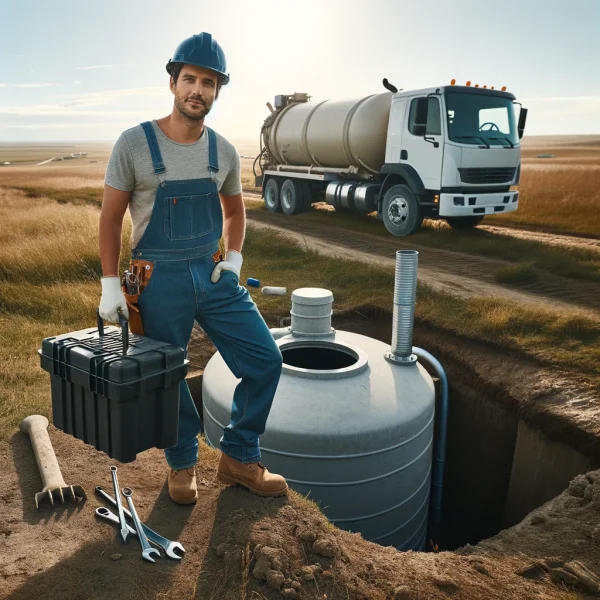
{"x":122,"y":519}
{"x":167,"y":545}
{"x":108,"y":515}
{"x":147,"y":549}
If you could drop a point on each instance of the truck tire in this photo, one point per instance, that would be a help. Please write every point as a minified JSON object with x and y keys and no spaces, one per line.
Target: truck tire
{"x":272,"y":201}
{"x":292,"y":197}
{"x":464,"y":222}
{"x":401,"y":212}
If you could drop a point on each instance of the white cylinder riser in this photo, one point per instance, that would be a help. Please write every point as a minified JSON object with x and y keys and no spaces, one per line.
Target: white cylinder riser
{"x":311,"y":312}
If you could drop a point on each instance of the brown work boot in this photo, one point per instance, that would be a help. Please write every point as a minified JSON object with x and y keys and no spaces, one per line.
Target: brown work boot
{"x":253,"y":476}
{"x":182,"y":486}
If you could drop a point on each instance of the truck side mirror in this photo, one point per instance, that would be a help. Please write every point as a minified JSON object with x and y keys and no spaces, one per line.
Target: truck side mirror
{"x":522,"y":120}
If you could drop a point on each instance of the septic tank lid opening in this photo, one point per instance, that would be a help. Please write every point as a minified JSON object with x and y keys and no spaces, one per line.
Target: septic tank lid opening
{"x":321,"y":359}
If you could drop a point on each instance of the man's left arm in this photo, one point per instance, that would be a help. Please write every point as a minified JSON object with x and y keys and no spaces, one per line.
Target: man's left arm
{"x":234,"y":221}
{"x":234,"y":227}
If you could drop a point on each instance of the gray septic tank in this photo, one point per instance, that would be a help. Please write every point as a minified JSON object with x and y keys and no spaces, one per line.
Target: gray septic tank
{"x":348,"y":427}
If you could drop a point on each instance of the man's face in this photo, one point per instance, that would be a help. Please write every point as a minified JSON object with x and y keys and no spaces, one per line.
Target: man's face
{"x":195,"y":92}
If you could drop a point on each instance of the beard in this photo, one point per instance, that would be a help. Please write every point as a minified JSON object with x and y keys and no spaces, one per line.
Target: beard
{"x":191,"y":112}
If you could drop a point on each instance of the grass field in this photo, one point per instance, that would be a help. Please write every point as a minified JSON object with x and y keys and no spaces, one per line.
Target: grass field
{"x":561,"y":199}
{"x":561,"y":194}
{"x":574,"y":263}
{"x":49,"y":284}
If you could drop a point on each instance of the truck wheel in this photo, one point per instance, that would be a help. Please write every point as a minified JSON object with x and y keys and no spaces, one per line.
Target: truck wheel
{"x":292,"y":197}
{"x":401,"y":212}
{"x":272,"y":201}
{"x":464,"y":222}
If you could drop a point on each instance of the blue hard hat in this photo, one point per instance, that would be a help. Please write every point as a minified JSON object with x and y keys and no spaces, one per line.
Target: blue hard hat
{"x":201,"y":50}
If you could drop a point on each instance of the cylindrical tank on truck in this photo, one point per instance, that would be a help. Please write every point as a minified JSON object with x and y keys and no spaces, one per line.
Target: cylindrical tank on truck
{"x":451,"y":152}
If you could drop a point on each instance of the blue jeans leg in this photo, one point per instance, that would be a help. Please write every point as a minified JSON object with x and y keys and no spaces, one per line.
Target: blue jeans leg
{"x":231,"y":319}
{"x":167,"y":307}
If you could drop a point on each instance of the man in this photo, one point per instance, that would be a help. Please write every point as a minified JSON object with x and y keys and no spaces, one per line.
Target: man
{"x":181,"y":182}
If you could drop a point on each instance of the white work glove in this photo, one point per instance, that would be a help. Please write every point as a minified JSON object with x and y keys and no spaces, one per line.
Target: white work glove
{"x":233,"y":262}
{"x":112,"y":299}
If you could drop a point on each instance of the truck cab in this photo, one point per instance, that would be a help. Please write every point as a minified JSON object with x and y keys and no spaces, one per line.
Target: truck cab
{"x":457,"y":148}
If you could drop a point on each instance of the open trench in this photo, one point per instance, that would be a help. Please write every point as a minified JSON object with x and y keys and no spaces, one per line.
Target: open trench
{"x":501,"y":462}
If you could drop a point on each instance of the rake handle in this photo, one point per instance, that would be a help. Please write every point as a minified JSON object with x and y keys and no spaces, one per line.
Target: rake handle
{"x":36,"y":427}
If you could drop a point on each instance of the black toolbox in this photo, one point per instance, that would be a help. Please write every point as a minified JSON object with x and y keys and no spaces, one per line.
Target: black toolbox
{"x":115,"y":391}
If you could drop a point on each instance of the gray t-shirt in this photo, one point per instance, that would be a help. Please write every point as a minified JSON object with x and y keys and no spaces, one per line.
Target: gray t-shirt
{"x":130,"y":169}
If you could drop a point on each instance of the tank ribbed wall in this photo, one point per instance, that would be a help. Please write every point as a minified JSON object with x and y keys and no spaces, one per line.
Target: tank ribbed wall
{"x":360,"y":445}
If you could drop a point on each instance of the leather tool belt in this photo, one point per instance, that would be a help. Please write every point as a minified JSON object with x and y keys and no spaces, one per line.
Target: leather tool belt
{"x":139,"y":275}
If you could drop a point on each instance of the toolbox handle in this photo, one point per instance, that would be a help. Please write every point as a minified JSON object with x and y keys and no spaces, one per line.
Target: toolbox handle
{"x":124,"y":327}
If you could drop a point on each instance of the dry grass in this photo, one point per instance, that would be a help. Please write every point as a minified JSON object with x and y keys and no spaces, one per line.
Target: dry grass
{"x":568,"y":262}
{"x":558,"y":200}
{"x":43,"y":241}
{"x":559,"y":195}
{"x":49,"y":285}
{"x":521,"y":273}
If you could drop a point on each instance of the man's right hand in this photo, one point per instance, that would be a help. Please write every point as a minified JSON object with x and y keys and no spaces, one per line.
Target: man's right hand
{"x":112,"y":299}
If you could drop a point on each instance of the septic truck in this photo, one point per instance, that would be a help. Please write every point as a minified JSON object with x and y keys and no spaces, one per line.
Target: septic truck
{"x":451,"y":152}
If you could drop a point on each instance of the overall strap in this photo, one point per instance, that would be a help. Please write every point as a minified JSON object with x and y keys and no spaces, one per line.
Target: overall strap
{"x":213,"y":157}
{"x":157,"y":161}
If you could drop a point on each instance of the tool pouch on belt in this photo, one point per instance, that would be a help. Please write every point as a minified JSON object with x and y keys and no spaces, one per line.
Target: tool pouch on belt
{"x":142,"y":270}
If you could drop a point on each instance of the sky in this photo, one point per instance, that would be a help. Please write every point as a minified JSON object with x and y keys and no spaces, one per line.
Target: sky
{"x":79,"y":70}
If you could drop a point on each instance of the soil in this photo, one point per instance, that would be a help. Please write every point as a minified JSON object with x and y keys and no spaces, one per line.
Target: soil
{"x":455,"y":273}
{"x":245,"y":547}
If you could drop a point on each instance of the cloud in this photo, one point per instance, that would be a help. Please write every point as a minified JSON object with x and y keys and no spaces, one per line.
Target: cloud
{"x":105,"y":66}
{"x":68,"y":125}
{"x":563,"y":99}
{"x":573,"y":108}
{"x":48,"y":110}
{"x":85,"y":104}
{"x":28,"y":85}
{"x":144,"y":91}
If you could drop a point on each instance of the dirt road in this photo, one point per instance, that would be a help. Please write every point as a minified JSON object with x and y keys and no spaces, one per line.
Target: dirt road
{"x":452,"y":272}
{"x":552,"y":239}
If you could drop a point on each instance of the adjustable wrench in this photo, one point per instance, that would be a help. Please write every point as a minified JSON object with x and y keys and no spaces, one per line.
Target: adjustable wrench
{"x":167,"y":545}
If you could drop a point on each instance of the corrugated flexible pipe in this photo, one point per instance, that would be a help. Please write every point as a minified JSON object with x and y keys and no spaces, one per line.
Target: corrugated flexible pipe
{"x":402,"y":352}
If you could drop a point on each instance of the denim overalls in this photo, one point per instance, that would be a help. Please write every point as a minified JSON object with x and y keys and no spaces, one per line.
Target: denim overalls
{"x":180,"y":239}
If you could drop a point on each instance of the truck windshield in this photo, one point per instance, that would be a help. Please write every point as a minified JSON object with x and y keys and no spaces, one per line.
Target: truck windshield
{"x":481,"y":119}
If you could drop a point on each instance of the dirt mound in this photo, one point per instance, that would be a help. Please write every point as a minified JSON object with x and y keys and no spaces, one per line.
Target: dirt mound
{"x":242,"y":546}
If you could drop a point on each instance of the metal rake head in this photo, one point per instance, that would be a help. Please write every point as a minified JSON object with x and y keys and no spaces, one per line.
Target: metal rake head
{"x":73,"y":493}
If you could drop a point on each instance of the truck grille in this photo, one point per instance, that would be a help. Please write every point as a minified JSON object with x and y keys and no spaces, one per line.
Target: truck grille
{"x":487,"y":175}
